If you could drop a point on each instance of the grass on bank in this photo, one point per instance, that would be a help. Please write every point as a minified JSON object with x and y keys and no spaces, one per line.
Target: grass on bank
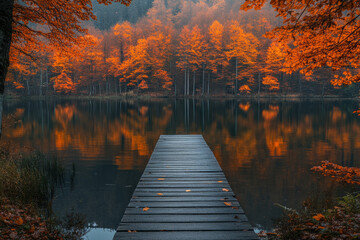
{"x":334,"y":220}
{"x":27,"y":186}
{"x":324,"y":218}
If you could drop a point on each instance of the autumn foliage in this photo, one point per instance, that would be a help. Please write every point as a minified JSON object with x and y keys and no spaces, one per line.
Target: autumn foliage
{"x":166,"y":51}
{"x":339,"y":173}
{"x":321,"y":34}
{"x":23,"y":223}
{"x":63,"y":84}
{"x":188,"y":47}
{"x":337,"y":222}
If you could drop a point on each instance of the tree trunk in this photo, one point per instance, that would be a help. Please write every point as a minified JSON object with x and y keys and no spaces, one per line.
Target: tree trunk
{"x":41,"y":81}
{"x":194,"y":84}
{"x":47,"y":80}
{"x":203,"y":80}
{"x":6,"y":17}
{"x":6,"y":13}
{"x":300,"y":87}
{"x":208,"y":86}
{"x":185,"y":82}
{"x":1,"y":111}
{"x":188,"y":83}
{"x":259,"y":84}
{"x":175,"y":92}
{"x":236,"y":76}
{"x":28,"y":86}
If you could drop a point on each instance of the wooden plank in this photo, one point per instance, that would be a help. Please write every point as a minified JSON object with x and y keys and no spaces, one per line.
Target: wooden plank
{"x":183,"y":199}
{"x":181,"y":204}
{"x":183,"y":194}
{"x":183,"y":190}
{"x":186,"y":235}
{"x":182,"y":174}
{"x":206,"y":178}
{"x":184,"y":218}
{"x":190,"y":226}
{"x":178,"y":210}
{"x":183,"y":185}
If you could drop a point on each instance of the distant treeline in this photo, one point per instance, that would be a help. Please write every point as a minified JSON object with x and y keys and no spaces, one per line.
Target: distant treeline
{"x":178,"y":48}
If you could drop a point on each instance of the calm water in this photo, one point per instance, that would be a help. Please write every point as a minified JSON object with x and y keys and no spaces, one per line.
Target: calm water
{"x":265,"y":148}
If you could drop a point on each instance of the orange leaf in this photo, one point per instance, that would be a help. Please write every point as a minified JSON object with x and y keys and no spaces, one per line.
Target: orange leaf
{"x":319,"y":217}
{"x":161,"y":179}
{"x":19,"y":221}
{"x":160,"y":194}
{"x":220,"y":181}
{"x":188,"y":190}
{"x":225,"y":189}
{"x":227,"y":203}
{"x":145,"y":209}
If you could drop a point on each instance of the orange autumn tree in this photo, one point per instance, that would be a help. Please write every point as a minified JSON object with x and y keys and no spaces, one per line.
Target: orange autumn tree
{"x":19,"y":72}
{"x":243,"y":47}
{"x":275,"y":60}
{"x":216,"y":57}
{"x":159,"y":46}
{"x":91,"y":63}
{"x":197,"y":54}
{"x":271,"y":82}
{"x":123,"y":37}
{"x":63,"y":84}
{"x":183,"y":53}
{"x":159,"y":51}
{"x":134,"y":70}
{"x":323,"y":33}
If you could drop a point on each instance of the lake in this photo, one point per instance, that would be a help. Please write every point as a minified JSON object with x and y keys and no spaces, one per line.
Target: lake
{"x":266,"y":148}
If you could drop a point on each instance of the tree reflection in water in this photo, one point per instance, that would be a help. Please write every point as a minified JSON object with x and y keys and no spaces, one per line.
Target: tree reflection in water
{"x":266,"y":148}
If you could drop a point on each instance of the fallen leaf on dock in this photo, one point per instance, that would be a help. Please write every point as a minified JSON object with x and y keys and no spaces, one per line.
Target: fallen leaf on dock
{"x":145,"y":209}
{"x":225,"y":189}
{"x":160,"y":194}
{"x":161,"y":179}
{"x":188,"y":190}
{"x":220,"y":181}
{"x":227,"y":203}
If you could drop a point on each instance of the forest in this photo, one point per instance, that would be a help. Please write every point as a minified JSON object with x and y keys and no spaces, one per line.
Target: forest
{"x":250,"y":92}
{"x":170,"y":48}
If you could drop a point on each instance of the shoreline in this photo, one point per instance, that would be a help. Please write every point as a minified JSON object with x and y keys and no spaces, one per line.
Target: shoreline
{"x":294,"y":97}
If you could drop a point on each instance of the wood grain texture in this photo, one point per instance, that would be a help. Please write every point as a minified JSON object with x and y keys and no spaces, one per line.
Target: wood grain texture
{"x":183,"y":194}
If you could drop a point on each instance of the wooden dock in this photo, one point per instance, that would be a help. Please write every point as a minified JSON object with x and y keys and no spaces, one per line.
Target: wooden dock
{"x":183,"y":194}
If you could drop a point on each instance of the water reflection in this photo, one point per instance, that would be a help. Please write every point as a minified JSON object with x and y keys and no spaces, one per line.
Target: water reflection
{"x":266,"y":148}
